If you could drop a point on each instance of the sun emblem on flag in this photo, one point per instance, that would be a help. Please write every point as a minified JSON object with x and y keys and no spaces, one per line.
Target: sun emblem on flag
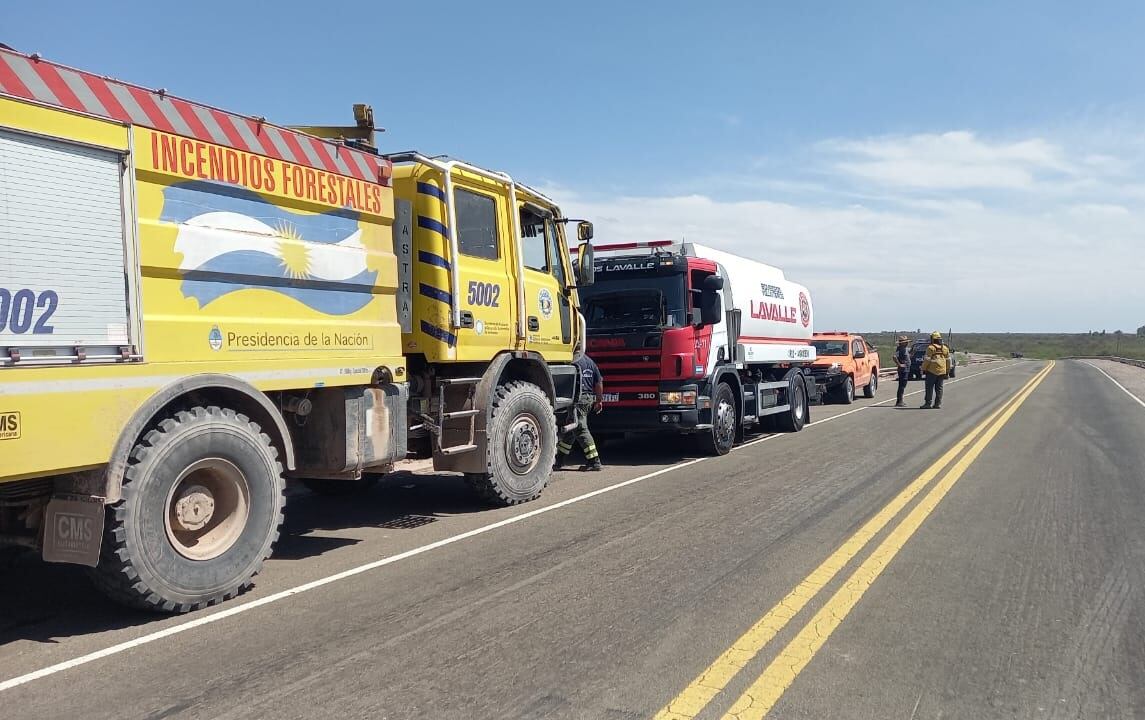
{"x":292,"y":251}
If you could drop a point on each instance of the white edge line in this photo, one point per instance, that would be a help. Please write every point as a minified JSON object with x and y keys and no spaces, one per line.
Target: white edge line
{"x":314,"y":584}
{"x":1112,"y":380}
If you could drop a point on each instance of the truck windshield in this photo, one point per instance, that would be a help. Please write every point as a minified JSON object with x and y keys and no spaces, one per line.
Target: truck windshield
{"x":650,"y":301}
{"x":830,"y":347}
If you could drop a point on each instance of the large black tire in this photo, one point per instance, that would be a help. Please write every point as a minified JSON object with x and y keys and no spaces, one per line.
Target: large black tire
{"x":846,"y":392}
{"x":873,"y":385}
{"x":341,"y":488}
{"x":522,"y":445}
{"x":205,"y":465}
{"x":719,"y":439}
{"x":796,"y":417}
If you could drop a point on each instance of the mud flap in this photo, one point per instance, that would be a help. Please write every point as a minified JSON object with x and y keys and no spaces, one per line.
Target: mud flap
{"x":73,"y":530}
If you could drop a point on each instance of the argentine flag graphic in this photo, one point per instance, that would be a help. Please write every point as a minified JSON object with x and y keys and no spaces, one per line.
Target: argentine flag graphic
{"x":232,"y":239}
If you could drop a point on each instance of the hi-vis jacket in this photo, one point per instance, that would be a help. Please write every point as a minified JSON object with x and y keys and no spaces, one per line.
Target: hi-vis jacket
{"x":937,"y":361}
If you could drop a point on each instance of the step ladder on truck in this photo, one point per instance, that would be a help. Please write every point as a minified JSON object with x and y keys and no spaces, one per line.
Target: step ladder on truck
{"x":199,"y":305}
{"x":695,"y":341}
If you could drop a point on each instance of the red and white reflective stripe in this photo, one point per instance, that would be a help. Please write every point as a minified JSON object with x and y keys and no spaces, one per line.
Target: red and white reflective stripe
{"x":763,"y":340}
{"x":32,"y":78}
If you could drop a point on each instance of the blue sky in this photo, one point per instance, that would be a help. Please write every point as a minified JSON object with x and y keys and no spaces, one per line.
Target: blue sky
{"x":868,"y":148}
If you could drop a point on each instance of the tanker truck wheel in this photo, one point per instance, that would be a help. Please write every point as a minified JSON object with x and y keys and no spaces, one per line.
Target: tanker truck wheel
{"x":796,"y":417}
{"x":201,"y":510}
{"x":522,"y":445}
{"x":725,"y":422}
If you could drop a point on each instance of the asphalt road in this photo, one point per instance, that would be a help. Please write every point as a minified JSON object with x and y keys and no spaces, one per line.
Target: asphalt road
{"x":986,"y":560}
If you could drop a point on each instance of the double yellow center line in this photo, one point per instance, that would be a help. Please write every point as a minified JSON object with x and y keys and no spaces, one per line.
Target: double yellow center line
{"x":762,"y":695}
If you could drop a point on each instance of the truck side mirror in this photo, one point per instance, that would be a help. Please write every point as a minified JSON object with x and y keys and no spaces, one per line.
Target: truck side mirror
{"x":585,"y":266}
{"x":583,"y":231}
{"x":713,"y":283}
{"x":711,"y":308}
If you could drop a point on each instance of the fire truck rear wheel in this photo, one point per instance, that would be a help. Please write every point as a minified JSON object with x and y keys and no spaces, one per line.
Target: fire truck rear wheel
{"x":725,"y":423}
{"x":201,"y":510}
{"x":522,"y":445}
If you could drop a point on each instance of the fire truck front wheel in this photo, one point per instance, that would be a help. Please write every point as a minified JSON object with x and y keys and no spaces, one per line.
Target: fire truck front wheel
{"x":522,"y":445}
{"x":201,"y":510}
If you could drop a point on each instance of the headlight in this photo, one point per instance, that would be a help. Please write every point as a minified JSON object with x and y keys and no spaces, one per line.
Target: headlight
{"x":678,"y":397}
{"x":836,"y":366}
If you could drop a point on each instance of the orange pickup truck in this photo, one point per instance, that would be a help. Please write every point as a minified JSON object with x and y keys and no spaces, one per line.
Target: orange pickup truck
{"x":843,"y":361}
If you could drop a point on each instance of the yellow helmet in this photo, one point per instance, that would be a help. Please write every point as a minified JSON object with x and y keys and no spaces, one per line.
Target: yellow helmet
{"x":936,"y":335}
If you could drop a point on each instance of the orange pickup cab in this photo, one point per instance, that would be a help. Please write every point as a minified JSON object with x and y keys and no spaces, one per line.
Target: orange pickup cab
{"x":843,"y":362}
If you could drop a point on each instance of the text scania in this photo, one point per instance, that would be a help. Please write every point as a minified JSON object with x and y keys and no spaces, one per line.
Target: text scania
{"x":203,"y":161}
{"x":774,"y":312}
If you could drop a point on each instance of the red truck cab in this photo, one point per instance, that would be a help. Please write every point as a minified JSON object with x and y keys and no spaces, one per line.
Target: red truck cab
{"x":644,"y":333}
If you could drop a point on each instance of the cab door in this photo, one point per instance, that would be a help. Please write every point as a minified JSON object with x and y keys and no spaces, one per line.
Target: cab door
{"x":862,"y":361}
{"x":548,"y":312}
{"x":488,"y":301}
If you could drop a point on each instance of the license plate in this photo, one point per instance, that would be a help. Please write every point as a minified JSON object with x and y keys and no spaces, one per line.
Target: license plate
{"x":73,"y":531}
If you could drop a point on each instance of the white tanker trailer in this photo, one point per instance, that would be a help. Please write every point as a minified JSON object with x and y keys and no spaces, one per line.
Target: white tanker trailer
{"x":698,"y":341}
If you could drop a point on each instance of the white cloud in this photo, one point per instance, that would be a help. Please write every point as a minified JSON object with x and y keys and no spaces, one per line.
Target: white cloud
{"x":1100,"y":210}
{"x":917,"y":257}
{"x":951,"y":160}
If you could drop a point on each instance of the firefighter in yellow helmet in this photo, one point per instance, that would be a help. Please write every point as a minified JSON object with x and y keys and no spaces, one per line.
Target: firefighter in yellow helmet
{"x":935,"y":367}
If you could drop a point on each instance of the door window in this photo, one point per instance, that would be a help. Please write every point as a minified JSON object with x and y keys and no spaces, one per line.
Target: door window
{"x":541,"y":247}
{"x":476,"y":225}
{"x":556,"y":265}
{"x":534,"y":240}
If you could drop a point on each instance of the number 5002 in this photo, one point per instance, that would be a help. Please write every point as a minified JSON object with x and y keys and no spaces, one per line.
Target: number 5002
{"x":18,"y":309}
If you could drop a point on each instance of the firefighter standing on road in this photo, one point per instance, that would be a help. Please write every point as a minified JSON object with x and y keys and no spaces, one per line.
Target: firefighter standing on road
{"x":590,"y":400}
{"x":902,"y":362}
{"x":934,"y":369}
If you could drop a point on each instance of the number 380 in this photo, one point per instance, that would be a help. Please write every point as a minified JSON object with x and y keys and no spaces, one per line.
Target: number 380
{"x":18,"y":310}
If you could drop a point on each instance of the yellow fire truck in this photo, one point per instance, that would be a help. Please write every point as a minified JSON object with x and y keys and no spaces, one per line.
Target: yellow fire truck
{"x":196,"y":305}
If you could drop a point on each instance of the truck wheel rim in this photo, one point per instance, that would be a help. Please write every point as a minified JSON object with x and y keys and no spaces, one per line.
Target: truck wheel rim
{"x":207,"y":509}
{"x":725,"y":422}
{"x":799,"y":406}
{"x":523,"y":444}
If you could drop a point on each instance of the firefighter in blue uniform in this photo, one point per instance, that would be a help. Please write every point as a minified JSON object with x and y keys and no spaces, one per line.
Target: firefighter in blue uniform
{"x":590,"y":400}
